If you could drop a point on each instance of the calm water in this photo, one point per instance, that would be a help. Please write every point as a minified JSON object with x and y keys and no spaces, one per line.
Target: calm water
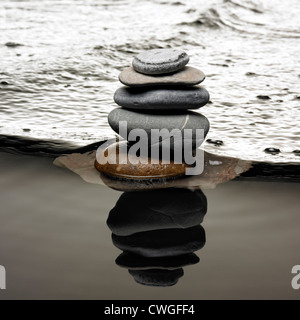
{"x":55,"y":242}
{"x":60,"y":62}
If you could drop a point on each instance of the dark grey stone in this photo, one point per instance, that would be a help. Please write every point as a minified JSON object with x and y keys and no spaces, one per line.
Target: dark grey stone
{"x":162,"y":243}
{"x":160,"y":61}
{"x":157,"y":277}
{"x":169,"y":98}
{"x":161,"y":120}
{"x":136,"y":262}
{"x":215,"y":142}
{"x":272,"y":150}
{"x":263,"y":97}
{"x":157,"y":209}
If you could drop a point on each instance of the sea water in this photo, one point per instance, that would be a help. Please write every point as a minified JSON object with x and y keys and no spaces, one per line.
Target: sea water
{"x":60,"y":62}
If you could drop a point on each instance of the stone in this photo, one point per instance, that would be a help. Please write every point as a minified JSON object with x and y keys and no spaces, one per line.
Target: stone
{"x":187,"y":76}
{"x":162,"y":120}
{"x":162,"y":243}
{"x":215,"y":142}
{"x":136,"y":262}
{"x":272,"y":150}
{"x":157,"y":277}
{"x":157,"y":209}
{"x":169,"y":98}
{"x":140,"y":171}
{"x":263,"y":97}
{"x":227,"y":169}
{"x":160,"y":61}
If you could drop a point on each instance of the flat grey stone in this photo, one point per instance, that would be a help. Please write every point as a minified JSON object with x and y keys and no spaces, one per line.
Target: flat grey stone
{"x":187,"y":76}
{"x":157,"y":277}
{"x":160,"y":61}
{"x":162,"y":243}
{"x":136,"y":262}
{"x":157,"y":209}
{"x":168,"y":98}
{"x":162,"y":120}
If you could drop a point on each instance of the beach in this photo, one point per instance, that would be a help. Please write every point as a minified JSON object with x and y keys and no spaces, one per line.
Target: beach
{"x":85,"y":86}
{"x":55,"y":244}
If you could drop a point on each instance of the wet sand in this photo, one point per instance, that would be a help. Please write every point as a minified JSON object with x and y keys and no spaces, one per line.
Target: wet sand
{"x":55,"y":244}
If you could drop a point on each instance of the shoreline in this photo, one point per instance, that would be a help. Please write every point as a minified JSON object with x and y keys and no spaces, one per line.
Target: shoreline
{"x":259,"y":171}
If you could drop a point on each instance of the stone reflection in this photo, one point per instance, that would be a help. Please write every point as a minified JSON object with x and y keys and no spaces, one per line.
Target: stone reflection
{"x":159,"y":232}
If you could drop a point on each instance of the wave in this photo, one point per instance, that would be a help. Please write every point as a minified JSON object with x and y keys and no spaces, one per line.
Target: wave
{"x":249,"y":17}
{"x":249,"y":5}
{"x":210,"y":18}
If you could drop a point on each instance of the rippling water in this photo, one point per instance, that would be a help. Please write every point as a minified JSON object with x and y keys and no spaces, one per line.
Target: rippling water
{"x":61,"y":60}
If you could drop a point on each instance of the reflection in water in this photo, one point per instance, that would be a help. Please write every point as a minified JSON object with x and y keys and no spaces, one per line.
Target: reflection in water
{"x":217,"y":170}
{"x":156,"y":222}
{"x":158,"y":232}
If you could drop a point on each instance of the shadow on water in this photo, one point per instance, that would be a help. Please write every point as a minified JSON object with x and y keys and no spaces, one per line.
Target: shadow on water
{"x":159,"y":232}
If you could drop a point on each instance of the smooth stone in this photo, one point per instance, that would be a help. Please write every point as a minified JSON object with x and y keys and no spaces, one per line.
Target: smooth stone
{"x":157,"y":277}
{"x":187,"y":76}
{"x":157,"y":209}
{"x":136,"y":262}
{"x":263,"y":97}
{"x":215,"y":142}
{"x":140,"y":171}
{"x":160,"y":61}
{"x":161,"y":120}
{"x":169,"y":98}
{"x":162,"y":243}
{"x":272,"y":150}
{"x":227,"y":168}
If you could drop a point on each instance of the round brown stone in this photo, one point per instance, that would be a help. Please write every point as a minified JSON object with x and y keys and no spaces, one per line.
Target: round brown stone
{"x":115,"y":165}
{"x":187,"y":76}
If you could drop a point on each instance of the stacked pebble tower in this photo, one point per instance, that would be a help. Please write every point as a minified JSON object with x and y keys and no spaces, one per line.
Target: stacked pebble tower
{"x":158,"y":94}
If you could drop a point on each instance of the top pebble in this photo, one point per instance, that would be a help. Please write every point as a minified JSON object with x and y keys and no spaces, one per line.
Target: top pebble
{"x":160,"y":61}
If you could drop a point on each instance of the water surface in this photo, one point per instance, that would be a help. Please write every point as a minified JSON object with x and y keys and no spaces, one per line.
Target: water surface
{"x":61,"y":61}
{"x":55,"y":243}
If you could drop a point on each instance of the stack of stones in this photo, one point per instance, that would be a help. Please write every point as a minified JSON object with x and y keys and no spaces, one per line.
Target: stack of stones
{"x":158,"y":94}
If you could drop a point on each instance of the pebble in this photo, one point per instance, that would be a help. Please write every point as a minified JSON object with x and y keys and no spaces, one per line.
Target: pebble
{"x":179,"y":98}
{"x":157,"y":277}
{"x":157,"y":209}
{"x":215,"y":142}
{"x":138,"y":171}
{"x":272,"y":150}
{"x":160,"y":61}
{"x":262,"y":97}
{"x":133,"y":261}
{"x":162,"y":243}
{"x":160,"y":120}
{"x":188,"y":76}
